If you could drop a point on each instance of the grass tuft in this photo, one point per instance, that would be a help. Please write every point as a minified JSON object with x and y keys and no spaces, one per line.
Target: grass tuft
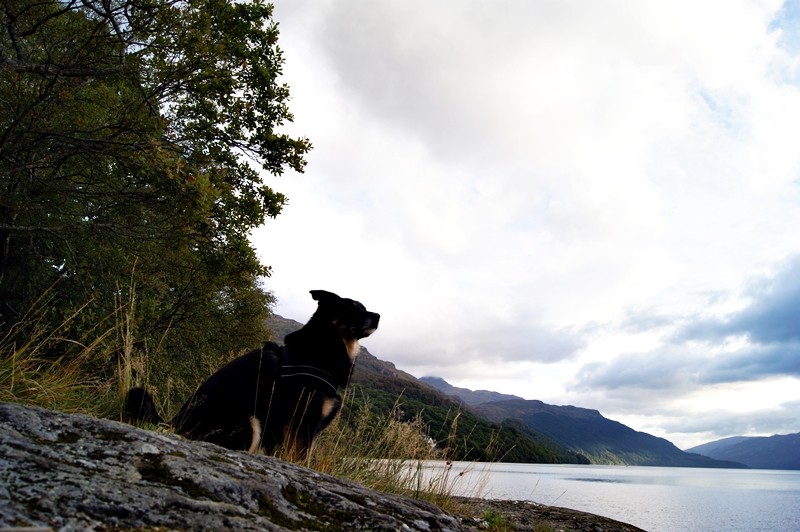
{"x":498,"y":521}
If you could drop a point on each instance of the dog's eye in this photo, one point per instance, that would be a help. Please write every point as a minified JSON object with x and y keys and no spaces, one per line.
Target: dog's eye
{"x":359,"y":306}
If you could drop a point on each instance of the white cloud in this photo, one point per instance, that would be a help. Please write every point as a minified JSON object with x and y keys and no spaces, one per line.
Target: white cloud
{"x":532,"y":188}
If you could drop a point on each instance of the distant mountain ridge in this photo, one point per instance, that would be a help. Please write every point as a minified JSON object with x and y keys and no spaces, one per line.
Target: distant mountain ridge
{"x":470,"y":397}
{"x":588,"y":433}
{"x":781,"y":451}
{"x":712,"y":446}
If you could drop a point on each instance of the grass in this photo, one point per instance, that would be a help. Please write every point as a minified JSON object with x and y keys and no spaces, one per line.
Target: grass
{"x":382,"y":452}
{"x":30,"y":374}
{"x":376,"y":449}
{"x":497,"y":521}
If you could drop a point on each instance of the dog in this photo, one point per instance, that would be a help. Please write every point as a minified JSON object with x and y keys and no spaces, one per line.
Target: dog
{"x":275,"y":395}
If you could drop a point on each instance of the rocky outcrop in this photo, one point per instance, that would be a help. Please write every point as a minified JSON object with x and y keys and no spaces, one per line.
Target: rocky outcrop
{"x":73,"y":472}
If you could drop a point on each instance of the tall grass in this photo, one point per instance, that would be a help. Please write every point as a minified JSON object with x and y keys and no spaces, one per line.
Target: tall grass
{"x":379,"y":450}
{"x":132,"y":363}
{"x":383,"y":452}
{"x":31,"y":374}
{"x":371,"y":448}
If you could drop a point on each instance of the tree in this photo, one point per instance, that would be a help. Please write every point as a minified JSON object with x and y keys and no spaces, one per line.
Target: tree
{"x":134,"y":140}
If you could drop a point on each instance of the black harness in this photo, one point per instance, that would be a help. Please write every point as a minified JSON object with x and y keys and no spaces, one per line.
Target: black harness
{"x":309,"y":371}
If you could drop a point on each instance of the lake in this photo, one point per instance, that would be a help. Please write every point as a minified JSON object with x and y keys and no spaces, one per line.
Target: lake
{"x":657,"y":499}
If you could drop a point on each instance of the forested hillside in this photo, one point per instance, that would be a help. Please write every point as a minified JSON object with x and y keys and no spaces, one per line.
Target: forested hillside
{"x":469,"y":437}
{"x":583,"y":431}
{"x":604,"y":441}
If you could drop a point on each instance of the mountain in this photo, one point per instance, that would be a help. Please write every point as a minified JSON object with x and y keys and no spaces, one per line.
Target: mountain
{"x":773,"y":452}
{"x":584,"y":431}
{"x":587,"y":432}
{"x":278,"y":327}
{"x":467,"y":435}
{"x":383,"y":388}
{"x":470,"y":397}
{"x":709,"y":448}
{"x":510,"y":429}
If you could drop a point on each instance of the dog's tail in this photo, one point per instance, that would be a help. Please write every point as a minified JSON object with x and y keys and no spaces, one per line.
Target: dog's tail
{"x":140,"y":406}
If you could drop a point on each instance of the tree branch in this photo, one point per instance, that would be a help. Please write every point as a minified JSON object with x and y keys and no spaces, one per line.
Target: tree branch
{"x":49,"y":69}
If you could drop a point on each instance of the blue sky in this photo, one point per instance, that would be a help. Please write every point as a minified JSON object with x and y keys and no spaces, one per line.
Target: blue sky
{"x":587,"y":203}
{"x":787,"y":22}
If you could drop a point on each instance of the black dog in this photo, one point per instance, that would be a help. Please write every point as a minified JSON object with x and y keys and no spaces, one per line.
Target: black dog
{"x":275,"y":395}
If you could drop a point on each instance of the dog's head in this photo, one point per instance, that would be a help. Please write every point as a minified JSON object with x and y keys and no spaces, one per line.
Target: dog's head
{"x":352,"y":318}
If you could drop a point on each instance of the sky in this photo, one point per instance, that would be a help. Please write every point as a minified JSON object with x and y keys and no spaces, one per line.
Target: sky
{"x":587,"y":203}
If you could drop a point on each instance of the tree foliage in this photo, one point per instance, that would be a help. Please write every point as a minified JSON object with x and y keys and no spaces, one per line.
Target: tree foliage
{"x":135,"y":137}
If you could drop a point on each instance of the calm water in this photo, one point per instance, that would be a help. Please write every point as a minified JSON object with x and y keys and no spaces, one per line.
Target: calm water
{"x":657,"y":499}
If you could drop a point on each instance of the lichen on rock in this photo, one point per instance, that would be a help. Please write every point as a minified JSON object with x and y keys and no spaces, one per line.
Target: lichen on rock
{"x":74,"y":471}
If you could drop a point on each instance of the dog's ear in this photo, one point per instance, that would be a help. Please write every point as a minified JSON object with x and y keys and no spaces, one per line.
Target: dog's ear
{"x":324,"y":296}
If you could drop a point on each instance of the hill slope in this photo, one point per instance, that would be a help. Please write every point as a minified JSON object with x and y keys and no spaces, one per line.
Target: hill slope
{"x":586,"y":432}
{"x":707,"y":448}
{"x":773,"y":452}
{"x":467,"y":436}
{"x":471,"y":437}
{"x":470,"y":397}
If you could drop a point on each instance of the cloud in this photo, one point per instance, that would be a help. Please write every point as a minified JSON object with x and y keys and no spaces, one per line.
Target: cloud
{"x":564,"y":192}
{"x":717,"y":424}
{"x":760,"y":340}
{"x":668,"y":369}
{"x":578,"y":160}
{"x":767,"y":326}
{"x":483,"y":337}
{"x":754,"y":363}
{"x":772,"y":316}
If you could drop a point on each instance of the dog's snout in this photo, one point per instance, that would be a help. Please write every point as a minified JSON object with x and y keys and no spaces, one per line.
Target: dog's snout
{"x":366,"y":326}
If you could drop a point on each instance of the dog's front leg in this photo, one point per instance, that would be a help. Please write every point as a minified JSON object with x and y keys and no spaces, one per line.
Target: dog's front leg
{"x":255,"y":441}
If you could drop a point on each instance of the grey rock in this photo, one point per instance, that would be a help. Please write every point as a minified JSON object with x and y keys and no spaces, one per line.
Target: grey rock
{"x":74,"y":472}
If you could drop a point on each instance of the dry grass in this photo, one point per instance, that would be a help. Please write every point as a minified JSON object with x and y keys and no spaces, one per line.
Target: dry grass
{"x":30,"y":374}
{"x":372,"y":449}
{"x":385,"y":453}
{"x":377,"y":450}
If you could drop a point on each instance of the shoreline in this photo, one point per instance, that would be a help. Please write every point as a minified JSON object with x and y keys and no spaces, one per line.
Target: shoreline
{"x":528,"y":516}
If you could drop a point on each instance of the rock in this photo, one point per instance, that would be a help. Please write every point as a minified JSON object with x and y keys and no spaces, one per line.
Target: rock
{"x":74,"y":472}
{"x":526,"y":516}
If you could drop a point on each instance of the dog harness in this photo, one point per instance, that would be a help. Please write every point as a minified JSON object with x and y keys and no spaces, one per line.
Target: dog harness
{"x":309,"y":371}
